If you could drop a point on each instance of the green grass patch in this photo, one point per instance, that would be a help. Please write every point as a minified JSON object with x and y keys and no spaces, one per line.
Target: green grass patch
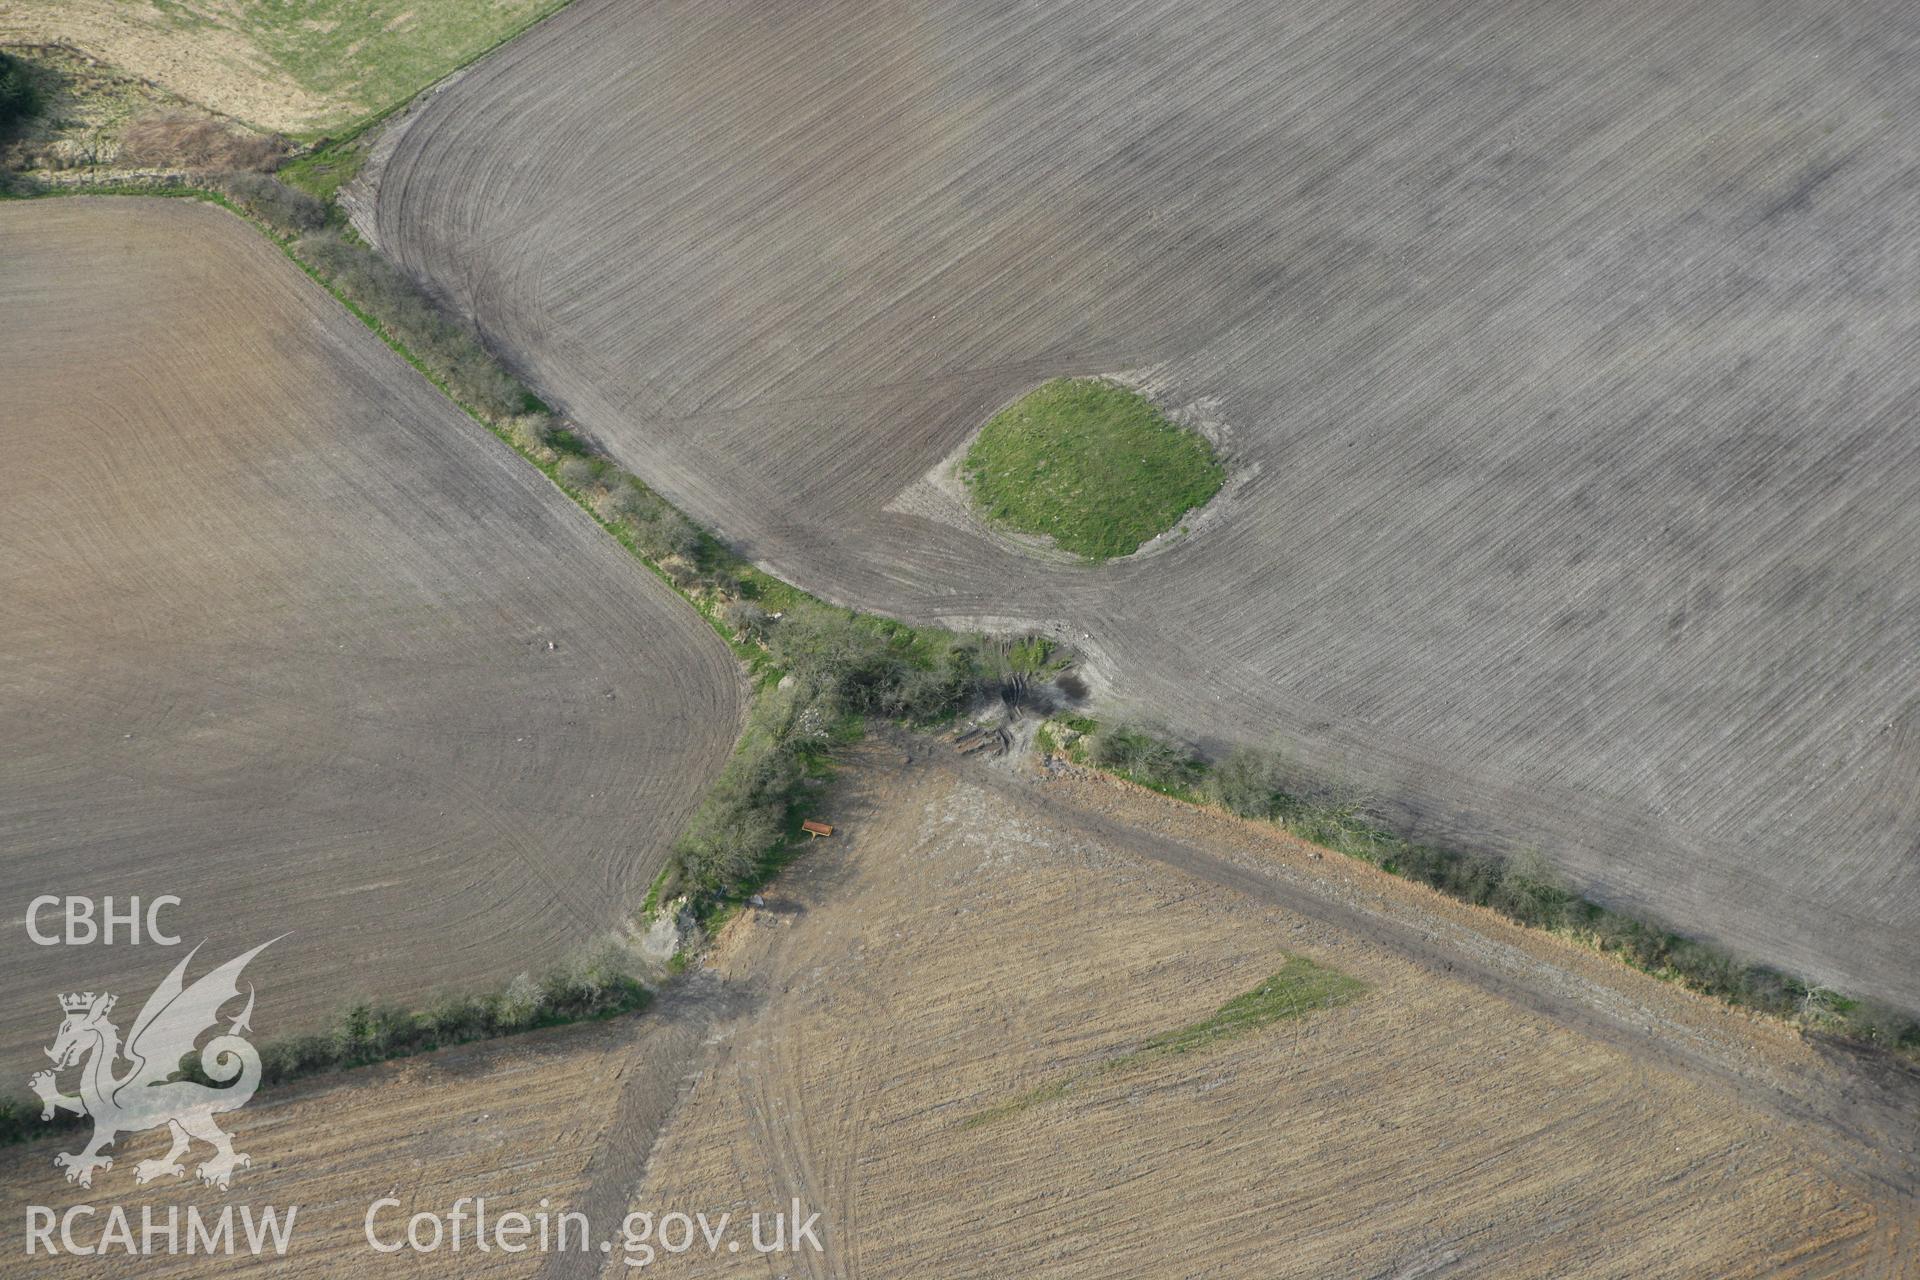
{"x":324,"y":170}
{"x":360,"y":57}
{"x":1052,"y":1092}
{"x":1091,"y":465}
{"x":1299,"y":988}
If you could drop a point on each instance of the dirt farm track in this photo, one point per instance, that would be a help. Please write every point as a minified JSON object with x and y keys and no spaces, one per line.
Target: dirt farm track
{"x":286,"y":635}
{"x":1565,"y":358}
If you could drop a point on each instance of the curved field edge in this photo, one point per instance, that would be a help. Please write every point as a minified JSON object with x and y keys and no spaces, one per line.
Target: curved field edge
{"x":1712,"y":958}
{"x":363,"y":1032}
{"x":1434,"y":567}
{"x":1092,"y":465}
{"x":342,"y":560}
{"x":769,"y":588}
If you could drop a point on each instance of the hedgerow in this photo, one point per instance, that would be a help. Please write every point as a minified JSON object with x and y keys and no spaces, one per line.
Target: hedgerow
{"x":1260,"y":784}
{"x":598,"y":983}
{"x":450,"y":350}
{"x":285,"y":209}
{"x":840,"y":667}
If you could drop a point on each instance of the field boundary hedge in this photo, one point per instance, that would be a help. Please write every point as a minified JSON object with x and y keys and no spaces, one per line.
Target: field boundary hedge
{"x":596,"y":986}
{"x":847,"y":665}
{"x":819,"y":670}
{"x":1264,"y":785}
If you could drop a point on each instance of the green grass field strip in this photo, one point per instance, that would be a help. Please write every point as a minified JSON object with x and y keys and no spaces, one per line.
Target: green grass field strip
{"x":1298,"y":989}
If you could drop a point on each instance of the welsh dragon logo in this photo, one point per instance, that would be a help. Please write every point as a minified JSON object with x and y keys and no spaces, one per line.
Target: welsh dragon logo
{"x":145,"y":1095}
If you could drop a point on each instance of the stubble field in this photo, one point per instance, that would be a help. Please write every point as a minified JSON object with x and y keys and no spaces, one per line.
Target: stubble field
{"x":289,"y":637}
{"x":1494,"y":1104}
{"x":1561,"y":361}
{"x":515,"y":1123}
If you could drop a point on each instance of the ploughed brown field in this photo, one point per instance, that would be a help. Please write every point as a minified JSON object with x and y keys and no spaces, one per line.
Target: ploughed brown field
{"x":1497,"y":1103}
{"x":1563,"y":358}
{"x":291,"y":638}
{"x":512,"y":1122}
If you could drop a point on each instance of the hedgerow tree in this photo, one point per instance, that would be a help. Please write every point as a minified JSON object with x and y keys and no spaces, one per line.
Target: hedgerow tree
{"x":1246,"y":782}
{"x":19,"y":100}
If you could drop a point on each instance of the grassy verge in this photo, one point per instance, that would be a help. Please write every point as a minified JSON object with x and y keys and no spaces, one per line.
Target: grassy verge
{"x":73,"y":118}
{"x":330,"y":164}
{"x":1091,"y":465}
{"x":1299,"y":988}
{"x":596,"y":986}
{"x":363,"y":61}
{"x":313,"y":67}
{"x":333,"y":159}
{"x":1264,"y":785}
{"x":380,"y":54}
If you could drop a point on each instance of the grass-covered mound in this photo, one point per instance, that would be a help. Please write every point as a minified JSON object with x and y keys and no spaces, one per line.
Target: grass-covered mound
{"x":1091,"y":465}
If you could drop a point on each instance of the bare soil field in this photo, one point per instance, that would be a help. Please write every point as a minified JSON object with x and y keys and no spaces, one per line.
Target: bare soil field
{"x":1562,"y":361}
{"x":1496,"y":1103}
{"x":288,"y":636}
{"x":518,"y":1123}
